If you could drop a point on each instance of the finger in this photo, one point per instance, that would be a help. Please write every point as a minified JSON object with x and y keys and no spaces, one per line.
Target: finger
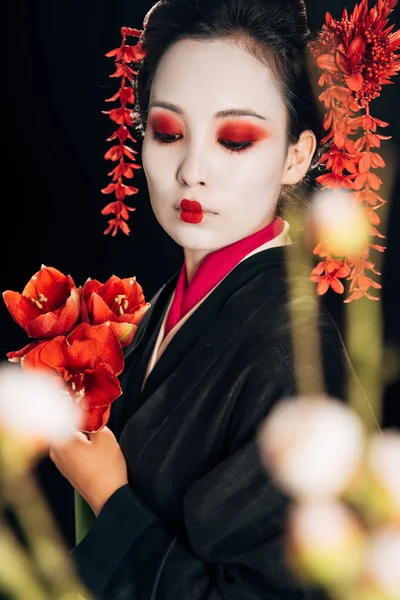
{"x":83,"y":436}
{"x":77,"y":439}
{"x":103,"y":434}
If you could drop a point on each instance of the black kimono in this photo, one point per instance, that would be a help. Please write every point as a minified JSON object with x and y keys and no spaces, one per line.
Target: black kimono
{"x":201,"y":518}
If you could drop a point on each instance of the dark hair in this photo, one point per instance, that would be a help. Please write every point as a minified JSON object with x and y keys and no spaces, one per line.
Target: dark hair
{"x":273,"y":31}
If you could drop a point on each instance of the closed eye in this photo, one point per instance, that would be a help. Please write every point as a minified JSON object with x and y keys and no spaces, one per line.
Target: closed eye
{"x":170,"y":138}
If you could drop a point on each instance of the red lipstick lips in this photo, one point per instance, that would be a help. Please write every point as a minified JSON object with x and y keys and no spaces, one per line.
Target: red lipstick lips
{"x":192,"y":211}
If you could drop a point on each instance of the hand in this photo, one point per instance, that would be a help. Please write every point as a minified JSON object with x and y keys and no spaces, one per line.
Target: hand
{"x":95,"y":466}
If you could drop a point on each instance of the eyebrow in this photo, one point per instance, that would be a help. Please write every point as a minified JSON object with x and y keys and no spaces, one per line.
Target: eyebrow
{"x":229,"y":112}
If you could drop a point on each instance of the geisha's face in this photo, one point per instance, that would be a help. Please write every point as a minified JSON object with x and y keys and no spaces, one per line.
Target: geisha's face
{"x":233,"y":165}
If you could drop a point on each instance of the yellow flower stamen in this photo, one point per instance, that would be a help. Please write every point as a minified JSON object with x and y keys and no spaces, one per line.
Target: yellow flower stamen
{"x":36,"y":302}
{"x":80,"y":395}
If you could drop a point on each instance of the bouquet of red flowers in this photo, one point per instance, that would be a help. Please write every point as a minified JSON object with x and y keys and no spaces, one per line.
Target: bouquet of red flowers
{"x":78,"y":335}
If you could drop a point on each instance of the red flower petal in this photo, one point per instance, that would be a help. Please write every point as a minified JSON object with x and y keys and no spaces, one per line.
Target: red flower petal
{"x":82,"y":354}
{"x":44,"y":280}
{"x":319,"y":269}
{"x":112,"y":288}
{"x":355,"y":82}
{"x":323,"y":286}
{"x":69,"y":314}
{"x":50,"y":354}
{"x":95,"y":419}
{"x":124,"y":332}
{"x":109,"y":349}
{"x":356,"y":50}
{"x":22,"y":310}
{"x":355,"y":296}
{"x":374,"y":181}
{"x":90,"y":286}
{"x":41,"y":327}
{"x":365,"y":163}
{"x":327,"y":61}
{"x":337,"y":285}
{"x":372,"y":216}
{"x":134,"y":292}
{"x":51,"y":324}
{"x":17,"y":355}
{"x":109,"y":189}
{"x":97,"y":310}
{"x":101,"y":387}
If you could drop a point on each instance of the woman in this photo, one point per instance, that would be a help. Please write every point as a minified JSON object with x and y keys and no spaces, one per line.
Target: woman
{"x":184,"y":508}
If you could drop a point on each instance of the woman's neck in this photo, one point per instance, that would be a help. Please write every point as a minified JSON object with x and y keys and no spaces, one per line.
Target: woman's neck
{"x":193,"y":259}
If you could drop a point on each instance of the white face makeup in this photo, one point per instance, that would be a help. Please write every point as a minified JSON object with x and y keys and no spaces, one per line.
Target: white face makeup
{"x":201,"y":162}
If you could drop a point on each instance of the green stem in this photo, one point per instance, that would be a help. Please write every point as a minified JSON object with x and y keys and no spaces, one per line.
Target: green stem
{"x":84,"y":517}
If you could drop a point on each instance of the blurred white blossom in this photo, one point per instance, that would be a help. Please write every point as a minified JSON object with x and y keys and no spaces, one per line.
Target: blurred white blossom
{"x":382,"y":564}
{"x":325,"y":542}
{"x":383,"y":464}
{"x":312,"y":446}
{"x":34,"y":404}
{"x":339,"y":220}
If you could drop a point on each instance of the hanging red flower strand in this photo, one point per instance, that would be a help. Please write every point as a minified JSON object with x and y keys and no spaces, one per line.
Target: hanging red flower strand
{"x":357,"y":56}
{"x":125,"y":57}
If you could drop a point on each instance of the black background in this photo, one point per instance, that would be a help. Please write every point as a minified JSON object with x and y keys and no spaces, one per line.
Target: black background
{"x":54,"y":141}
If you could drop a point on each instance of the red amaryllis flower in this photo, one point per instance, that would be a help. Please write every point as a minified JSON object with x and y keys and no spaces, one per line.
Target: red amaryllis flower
{"x":48,"y":306}
{"x":89,"y":361}
{"x":118,"y":301}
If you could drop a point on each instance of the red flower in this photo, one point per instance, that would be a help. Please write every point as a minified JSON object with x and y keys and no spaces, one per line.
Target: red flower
{"x":121,"y":190}
{"x":18,"y":355}
{"x":118,"y":301}
{"x":327,"y":273}
{"x":48,"y":306}
{"x":123,"y":170}
{"x":115,"y":224}
{"x":124,"y":117}
{"x":118,"y":153}
{"x":361,"y":283}
{"x":117,"y":206}
{"x":334,"y":181}
{"x":89,"y":361}
{"x":357,"y":56}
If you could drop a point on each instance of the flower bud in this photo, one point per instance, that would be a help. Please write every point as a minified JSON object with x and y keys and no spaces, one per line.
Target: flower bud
{"x":380,"y":575}
{"x":34,"y":410}
{"x":382,"y":565}
{"x":340,"y":221}
{"x":312,"y":446}
{"x":325,"y":543}
{"x":382,"y":493}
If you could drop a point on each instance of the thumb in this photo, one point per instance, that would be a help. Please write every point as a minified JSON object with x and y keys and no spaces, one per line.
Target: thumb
{"x":101,"y":435}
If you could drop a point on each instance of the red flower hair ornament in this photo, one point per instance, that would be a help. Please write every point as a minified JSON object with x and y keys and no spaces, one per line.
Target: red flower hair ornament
{"x":357,"y":56}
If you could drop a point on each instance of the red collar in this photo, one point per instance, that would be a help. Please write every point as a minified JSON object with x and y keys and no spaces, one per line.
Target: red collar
{"x":213,"y":269}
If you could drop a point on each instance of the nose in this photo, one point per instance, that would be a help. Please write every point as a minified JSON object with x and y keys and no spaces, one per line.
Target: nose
{"x":194,"y":168}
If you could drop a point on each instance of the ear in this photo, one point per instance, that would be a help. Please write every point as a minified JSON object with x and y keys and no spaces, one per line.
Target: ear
{"x":299,"y":158}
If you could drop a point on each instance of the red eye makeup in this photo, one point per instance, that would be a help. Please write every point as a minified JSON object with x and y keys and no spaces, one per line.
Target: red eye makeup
{"x":236,"y":136}
{"x":242,"y":132}
{"x":164,"y":123}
